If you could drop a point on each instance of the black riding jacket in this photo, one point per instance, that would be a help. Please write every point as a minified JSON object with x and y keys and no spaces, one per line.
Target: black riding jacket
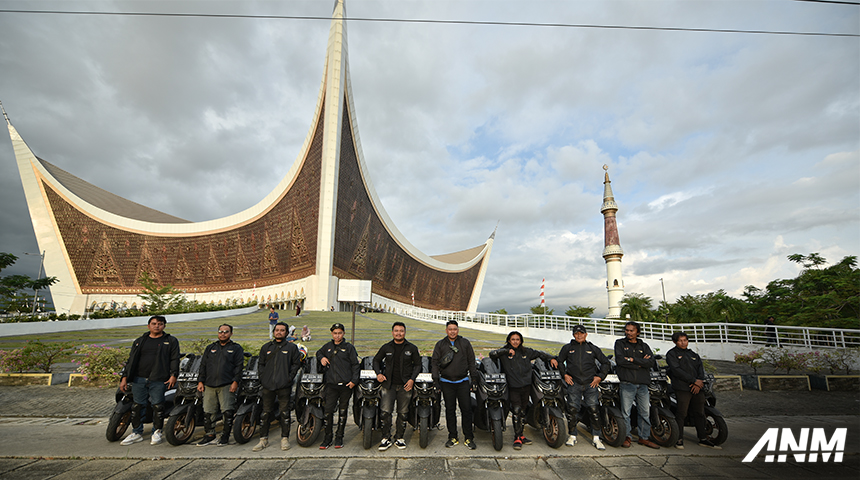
{"x":279,"y":363}
{"x":462,"y":365}
{"x":518,"y":368}
{"x":222,"y":364}
{"x":166,"y":360}
{"x":581,"y":362}
{"x":639,"y":370}
{"x":344,"y":366}
{"x":410,"y":364}
{"x":685,"y":367}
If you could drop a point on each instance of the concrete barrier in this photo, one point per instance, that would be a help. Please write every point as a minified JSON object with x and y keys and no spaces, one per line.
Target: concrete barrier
{"x":54,"y":326}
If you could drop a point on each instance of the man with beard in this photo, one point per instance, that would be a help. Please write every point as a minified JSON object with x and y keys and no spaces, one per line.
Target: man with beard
{"x":516,"y":361}
{"x":279,"y":362}
{"x":688,"y":380}
{"x":634,"y":363}
{"x":340,"y":378}
{"x":402,"y":366}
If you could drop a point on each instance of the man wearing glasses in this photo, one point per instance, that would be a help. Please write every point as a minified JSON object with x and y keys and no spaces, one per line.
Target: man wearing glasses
{"x":452,"y":363}
{"x":635,"y":360}
{"x":220,"y":375}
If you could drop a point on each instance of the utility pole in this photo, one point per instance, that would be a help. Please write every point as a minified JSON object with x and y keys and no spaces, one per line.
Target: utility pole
{"x":665,"y":306}
{"x":38,"y":276}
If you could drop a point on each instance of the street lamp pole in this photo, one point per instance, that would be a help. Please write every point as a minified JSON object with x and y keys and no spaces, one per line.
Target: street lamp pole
{"x":665,"y":306}
{"x":38,"y":276}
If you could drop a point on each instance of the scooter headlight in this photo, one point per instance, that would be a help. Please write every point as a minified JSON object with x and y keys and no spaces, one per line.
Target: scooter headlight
{"x":549,"y":388}
{"x":368,"y":387}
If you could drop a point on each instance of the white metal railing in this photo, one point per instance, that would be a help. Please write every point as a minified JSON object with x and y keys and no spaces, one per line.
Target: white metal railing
{"x":777,"y":335}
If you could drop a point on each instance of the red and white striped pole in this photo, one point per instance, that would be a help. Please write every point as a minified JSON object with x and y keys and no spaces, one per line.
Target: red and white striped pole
{"x":542,"y":297}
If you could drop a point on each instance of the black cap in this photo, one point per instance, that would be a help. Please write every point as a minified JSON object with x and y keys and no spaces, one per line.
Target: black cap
{"x":579,"y":329}
{"x":336,"y":326}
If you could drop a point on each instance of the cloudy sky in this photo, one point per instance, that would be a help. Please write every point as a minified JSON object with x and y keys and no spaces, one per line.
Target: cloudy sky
{"x":727,"y":151}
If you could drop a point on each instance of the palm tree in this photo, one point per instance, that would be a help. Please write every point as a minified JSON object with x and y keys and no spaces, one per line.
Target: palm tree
{"x":638,"y":306}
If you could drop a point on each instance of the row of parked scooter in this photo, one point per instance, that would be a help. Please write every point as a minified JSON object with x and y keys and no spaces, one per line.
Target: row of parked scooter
{"x":490,"y":405}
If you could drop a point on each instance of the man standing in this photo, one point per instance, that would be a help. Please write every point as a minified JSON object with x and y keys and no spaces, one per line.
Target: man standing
{"x":280,"y":360}
{"x":582,"y":376}
{"x":341,"y":360}
{"x":634,"y":363}
{"x":273,"y":319}
{"x":452,"y":363}
{"x":688,"y":379}
{"x":516,"y":361}
{"x":402,"y":364}
{"x":219,"y":378}
{"x":152,"y":367}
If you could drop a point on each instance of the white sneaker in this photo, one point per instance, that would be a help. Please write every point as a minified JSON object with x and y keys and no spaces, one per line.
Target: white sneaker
{"x":132,"y":438}
{"x":597,"y":443}
{"x":157,"y":437}
{"x":571,"y":440}
{"x":400,"y":443}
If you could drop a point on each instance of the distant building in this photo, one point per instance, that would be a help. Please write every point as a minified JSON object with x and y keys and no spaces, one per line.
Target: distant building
{"x":323,"y":222}
{"x":612,"y":251}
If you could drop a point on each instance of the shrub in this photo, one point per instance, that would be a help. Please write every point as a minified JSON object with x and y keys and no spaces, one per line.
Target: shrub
{"x":11,"y":361}
{"x":751,"y":359}
{"x":35,"y":355}
{"x":101,"y":361}
{"x":838,"y":360}
{"x":196,"y":346}
{"x":782,"y":359}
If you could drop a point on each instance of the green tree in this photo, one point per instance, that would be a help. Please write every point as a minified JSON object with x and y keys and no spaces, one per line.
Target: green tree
{"x":539,"y":310}
{"x":638,"y":306}
{"x":577,"y":311}
{"x":13,"y":295}
{"x":500,"y":311}
{"x":159,"y":298}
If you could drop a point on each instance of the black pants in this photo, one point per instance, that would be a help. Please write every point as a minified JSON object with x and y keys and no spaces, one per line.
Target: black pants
{"x":284,"y":407}
{"x":519,"y":398}
{"x":695,"y":404}
{"x":455,"y":393}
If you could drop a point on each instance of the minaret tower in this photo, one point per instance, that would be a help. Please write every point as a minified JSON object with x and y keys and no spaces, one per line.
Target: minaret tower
{"x":612,"y":251}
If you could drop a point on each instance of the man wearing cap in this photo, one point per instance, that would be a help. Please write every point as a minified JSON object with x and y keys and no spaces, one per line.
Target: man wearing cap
{"x":688,"y":380}
{"x":280,"y":360}
{"x":634,"y":361}
{"x":452,"y":363}
{"x":219,"y":378}
{"x":582,"y":376}
{"x":397,"y":365}
{"x":341,"y":375}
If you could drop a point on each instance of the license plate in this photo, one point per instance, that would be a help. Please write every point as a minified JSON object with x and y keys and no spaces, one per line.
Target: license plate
{"x":312,"y":378}
{"x":611,"y":378}
{"x":367,"y":374}
{"x":553,"y":375}
{"x":495,"y":378}
{"x":424,"y":377}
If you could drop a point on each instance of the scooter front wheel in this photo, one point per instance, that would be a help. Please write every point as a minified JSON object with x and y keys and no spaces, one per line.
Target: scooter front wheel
{"x":308,"y":433}
{"x":176,"y":431}
{"x":117,"y":425}
{"x":424,"y":432}
{"x":664,"y":431}
{"x":614,"y":430}
{"x":555,"y":431}
{"x":367,"y":433}
{"x":244,"y":427}
{"x":716,"y":428}
{"x":496,"y":425}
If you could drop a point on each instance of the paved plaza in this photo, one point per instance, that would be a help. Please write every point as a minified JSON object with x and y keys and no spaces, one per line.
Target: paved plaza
{"x":70,"y":444}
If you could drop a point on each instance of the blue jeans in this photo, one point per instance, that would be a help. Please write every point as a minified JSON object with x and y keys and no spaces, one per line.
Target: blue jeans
{"x":629,"y":392}
{"x":143,"y":389}
{"x":575,"y":393}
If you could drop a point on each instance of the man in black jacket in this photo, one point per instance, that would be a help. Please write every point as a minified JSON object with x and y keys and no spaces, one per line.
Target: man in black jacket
{"x":634,"y":361}
{"x":341,"y":375}
{"x":516,"y":362}
{"x":688,"y":381}
{"x":452,"y":363}
{"x":219,"y":378}
{"x":152,"y":368}
{"x":280,"y":360}
{"x":582,"y":376}
{"x":397,"y":365}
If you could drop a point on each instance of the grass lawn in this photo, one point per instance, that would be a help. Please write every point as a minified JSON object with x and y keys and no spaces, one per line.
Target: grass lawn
{"x":251,"y":330}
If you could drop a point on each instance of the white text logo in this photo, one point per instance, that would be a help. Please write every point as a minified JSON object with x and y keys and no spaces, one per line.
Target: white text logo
{"x":787,"y":442}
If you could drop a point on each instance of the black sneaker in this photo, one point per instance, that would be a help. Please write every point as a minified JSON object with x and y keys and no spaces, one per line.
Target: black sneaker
{"x":526,"y":440}
{"x":680,"y":444}
{"x":207,"y":440}
{"x":384,"y":445}
{"x":224,"y":440}
{"x":451,"y":442}
{"x":707,"y":443}
{"x":400,"y":443}
{"x":326,"y":443}
{"x":470,"y":443}
{"x":338,"y":442}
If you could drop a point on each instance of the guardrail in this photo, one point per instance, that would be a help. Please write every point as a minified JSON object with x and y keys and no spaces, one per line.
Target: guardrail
{"x":808,"y":337}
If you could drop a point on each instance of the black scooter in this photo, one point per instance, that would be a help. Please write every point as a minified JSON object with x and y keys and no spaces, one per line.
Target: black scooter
{"x":547,"y":413}
{"x":310,"y":403}
{"x":612,"y":428}
{"x":187,"y":412}
{"x":250,"y":403}
{"x":715,"y":424}
{"x":426,"y":408}
{"x":120,"y":419}
{"x":366,"y":402}
{"x":491,"y":407}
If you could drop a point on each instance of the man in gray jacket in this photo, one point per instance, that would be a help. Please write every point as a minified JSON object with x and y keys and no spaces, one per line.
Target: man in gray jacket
{"x":634,"y":361}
